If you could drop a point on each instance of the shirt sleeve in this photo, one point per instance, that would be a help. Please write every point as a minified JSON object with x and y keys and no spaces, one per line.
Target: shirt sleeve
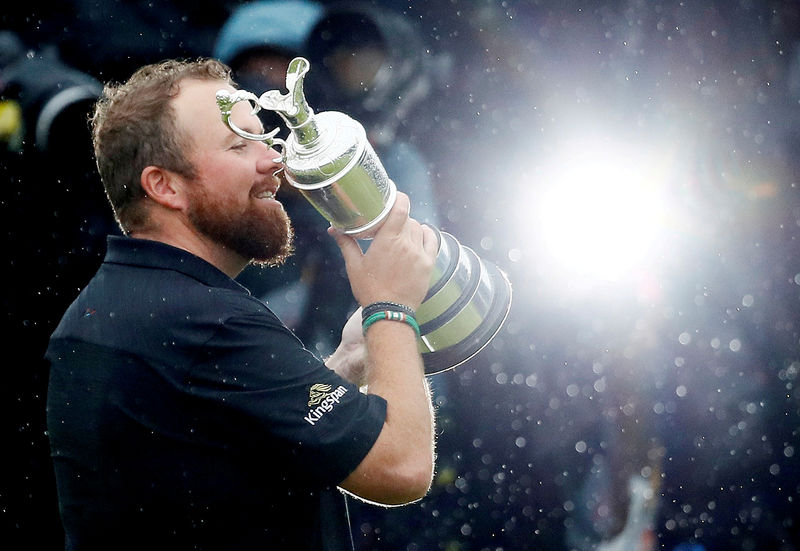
{"x":256,"y":389}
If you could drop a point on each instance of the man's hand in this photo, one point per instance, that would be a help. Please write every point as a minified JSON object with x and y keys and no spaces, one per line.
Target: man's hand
{"x":398,"y":263}
{"x":349,"y":359}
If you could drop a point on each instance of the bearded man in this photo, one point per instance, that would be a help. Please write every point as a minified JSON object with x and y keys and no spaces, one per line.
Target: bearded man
{"x":182,"y":413}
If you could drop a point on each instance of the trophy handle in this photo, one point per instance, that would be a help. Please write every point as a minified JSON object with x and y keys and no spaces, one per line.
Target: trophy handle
{"x":226,"y":100}
{"x":282,"y":144}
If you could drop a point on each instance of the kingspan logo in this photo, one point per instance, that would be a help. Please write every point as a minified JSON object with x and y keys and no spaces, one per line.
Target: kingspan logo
{"x":321,"y":399}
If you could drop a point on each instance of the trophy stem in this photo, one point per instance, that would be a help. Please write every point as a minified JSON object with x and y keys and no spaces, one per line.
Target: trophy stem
{"x":306,"y":131}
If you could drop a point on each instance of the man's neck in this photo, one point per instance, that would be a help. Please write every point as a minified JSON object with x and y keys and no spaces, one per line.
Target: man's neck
{"x":199,"y":245}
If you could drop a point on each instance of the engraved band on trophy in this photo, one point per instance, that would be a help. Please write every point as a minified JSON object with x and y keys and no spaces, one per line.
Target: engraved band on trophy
{"x":328,"y":158}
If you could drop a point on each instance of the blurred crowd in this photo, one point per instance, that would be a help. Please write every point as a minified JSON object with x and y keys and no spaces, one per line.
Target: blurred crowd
{"x":662,"y":419}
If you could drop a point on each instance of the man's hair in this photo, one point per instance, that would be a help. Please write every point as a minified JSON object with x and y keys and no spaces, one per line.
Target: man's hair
{"x":134,"y":127}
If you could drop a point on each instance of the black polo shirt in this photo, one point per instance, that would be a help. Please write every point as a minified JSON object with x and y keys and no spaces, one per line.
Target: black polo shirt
{"x":183,"y":414}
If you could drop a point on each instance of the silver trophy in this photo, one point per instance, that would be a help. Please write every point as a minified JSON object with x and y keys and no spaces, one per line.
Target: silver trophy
{"x":329,"y":160}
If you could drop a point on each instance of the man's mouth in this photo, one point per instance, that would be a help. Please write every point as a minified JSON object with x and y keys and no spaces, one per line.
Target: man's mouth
{"x":266,"y":194}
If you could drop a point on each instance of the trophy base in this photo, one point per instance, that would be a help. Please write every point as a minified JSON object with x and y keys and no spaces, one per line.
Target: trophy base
{"x":444,"y":359}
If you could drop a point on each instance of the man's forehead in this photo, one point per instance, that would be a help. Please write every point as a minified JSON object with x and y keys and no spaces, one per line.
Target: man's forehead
{"x":196,"y":103}
{"x":198,"y":95}
{"x":195,"y":107}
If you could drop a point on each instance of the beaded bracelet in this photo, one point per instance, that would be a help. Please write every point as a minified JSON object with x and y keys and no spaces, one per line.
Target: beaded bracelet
{"x":370,"y":309}
{"x":390,"y":315}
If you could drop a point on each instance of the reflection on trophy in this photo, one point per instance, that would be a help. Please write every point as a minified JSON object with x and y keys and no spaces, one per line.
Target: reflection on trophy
{"x":329,"y":160}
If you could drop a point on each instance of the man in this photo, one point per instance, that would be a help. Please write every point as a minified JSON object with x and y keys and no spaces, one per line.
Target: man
{"x":182,"y":413}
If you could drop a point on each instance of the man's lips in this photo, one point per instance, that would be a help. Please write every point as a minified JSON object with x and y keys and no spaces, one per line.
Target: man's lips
{"x":269,"y":191}
{"x":266,"y":194}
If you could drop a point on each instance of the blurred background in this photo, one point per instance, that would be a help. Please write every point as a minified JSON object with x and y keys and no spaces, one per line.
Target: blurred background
{"x":632,"y":165}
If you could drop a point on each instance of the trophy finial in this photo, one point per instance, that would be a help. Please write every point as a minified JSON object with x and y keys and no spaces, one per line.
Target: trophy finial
{"x":295,"y":76}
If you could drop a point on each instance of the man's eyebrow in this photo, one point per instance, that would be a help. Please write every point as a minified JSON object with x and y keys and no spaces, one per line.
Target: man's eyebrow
{"x":249,"y":126}
{"x":253,"y":125}
{"x":253,"y":128}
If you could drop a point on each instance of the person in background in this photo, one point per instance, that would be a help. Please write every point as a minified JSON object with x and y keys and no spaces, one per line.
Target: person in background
{"x":373,"y":65}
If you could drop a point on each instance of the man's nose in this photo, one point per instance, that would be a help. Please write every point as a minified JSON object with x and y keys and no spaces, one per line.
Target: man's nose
{"x":270,"y":161}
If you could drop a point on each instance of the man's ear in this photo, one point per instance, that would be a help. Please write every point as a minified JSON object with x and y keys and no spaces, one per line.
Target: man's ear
{"x":164,"y":187}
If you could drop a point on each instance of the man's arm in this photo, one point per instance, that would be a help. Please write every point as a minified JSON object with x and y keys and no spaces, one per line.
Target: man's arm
{"x":399,"y":467}
{"x":396,"y":268}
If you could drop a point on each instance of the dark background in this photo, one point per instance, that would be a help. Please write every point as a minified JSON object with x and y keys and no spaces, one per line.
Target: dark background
{"x":686,"y":372}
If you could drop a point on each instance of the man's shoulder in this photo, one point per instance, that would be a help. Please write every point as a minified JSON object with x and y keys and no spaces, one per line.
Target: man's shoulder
{"x":126,"y":300}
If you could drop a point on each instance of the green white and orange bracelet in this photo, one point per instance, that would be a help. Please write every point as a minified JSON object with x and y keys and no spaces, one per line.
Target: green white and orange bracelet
{"x":388,"y":311}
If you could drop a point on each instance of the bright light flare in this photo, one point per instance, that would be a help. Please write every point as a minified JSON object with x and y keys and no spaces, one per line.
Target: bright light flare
{"x":601,"y":211}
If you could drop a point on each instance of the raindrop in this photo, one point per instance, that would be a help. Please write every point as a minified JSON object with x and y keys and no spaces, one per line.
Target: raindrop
{"x":735,"y":345}
{"x":580,"y":446}
{"x":600,"y":385}
{"x":680,"y":391}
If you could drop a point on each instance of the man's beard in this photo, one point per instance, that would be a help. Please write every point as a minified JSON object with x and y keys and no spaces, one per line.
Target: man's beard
{"x":265,"y":237}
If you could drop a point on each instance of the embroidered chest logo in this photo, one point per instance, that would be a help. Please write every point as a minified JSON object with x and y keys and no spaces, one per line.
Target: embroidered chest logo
{"x":321,"y":399}
{"x":317,"y":393}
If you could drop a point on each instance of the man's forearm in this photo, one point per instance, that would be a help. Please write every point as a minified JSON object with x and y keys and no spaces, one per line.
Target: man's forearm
{"x":399,"y":468}
{"x":395,"y":372}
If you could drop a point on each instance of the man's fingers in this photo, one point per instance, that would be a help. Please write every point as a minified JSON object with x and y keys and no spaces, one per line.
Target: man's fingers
{"x":398,"y":215}
{"x":349,"y":246}
{"x":430,"y":241}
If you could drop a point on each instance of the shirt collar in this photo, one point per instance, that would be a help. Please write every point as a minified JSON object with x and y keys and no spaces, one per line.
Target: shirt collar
{"x":156,"y":254}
